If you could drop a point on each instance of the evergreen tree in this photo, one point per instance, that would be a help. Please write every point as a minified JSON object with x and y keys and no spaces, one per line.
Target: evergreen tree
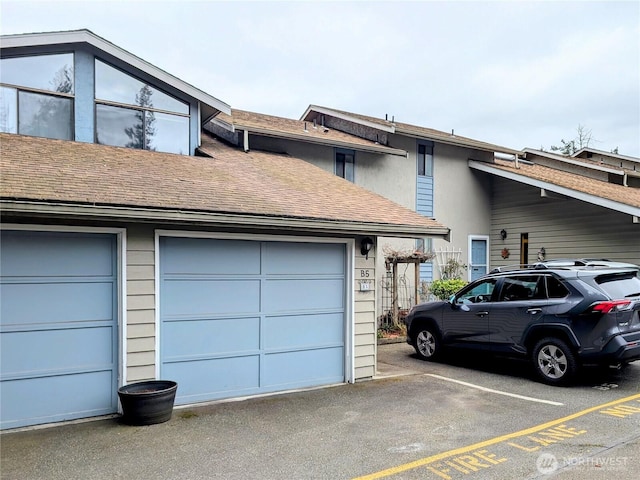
{"x":141,"y":134}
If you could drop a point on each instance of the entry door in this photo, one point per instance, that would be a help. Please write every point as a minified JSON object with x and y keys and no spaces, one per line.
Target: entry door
{"x":479,"y":263}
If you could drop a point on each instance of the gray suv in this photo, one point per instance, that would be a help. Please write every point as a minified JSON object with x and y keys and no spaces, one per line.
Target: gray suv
{"x":558,"y":317}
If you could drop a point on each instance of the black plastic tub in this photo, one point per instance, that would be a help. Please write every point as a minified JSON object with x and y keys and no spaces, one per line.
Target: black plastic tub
{"x":147,"y":403}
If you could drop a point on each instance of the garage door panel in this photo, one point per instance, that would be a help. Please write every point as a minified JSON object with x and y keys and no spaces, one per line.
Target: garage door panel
{"x":304,"y":259}
{"x":58,"y":352}
{"x":59,"y":329}
{"x":205,"y":297}
{"x":48,"y":303}
{"x":303,"y":294}
{"x":40,"y":254}
{"x":197,"y":338}
{"x":214,"y":378}
{"x":63,"y":397}
{"x":303,"y":331}
{"x":304,"y":368}
{"x":199,"y":256}
{"x":242,"y":318}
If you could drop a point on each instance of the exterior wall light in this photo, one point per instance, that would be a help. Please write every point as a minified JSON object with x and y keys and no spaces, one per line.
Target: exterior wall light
{"x":366,"y":244}
{"x":503,"y":234}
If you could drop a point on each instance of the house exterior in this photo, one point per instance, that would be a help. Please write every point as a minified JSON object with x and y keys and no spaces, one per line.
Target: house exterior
{"x":150,"y":231}
{"x":137,"y":246}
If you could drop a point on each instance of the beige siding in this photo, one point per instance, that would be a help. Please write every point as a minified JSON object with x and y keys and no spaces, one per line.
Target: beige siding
{"x":566,"y":228}
{"x":364,"y":322}
{"x":140,"y":291}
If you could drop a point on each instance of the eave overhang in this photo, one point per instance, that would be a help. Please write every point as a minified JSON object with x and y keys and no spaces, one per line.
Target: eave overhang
{"x":373,"y":148}
{"x":551,"y":187}
{"x":76,"y":211}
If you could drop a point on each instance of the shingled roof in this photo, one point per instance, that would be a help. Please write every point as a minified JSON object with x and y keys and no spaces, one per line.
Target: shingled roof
{"x":300,"y":130}
{"x":408,"y":129}
{"x":255,"y":188}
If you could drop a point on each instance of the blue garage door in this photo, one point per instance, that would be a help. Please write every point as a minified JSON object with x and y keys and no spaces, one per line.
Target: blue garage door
{"x":58,"y":335}
{"x":243,"y":317}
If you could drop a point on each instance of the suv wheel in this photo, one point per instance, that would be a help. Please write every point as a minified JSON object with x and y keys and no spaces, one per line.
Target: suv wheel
{"x":554,"y":361}
{"x":427,"y":343}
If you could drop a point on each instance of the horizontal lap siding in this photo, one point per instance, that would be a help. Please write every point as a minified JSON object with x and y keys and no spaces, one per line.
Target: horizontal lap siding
{"x":140,"y":292}
{"x":365,"y":319}
{"x":566,"y":228}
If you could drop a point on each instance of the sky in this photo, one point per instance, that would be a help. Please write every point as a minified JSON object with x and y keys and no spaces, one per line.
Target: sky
{"x":519,"y":74}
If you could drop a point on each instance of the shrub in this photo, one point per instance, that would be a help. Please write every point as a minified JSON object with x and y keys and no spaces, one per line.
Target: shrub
{"x":443,"y":289}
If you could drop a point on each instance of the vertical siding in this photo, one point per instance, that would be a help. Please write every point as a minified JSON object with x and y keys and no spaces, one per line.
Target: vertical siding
{"x":424,"y":206}
{"x":566,"y":228}
{"x":83,"y":104}
{"x":140,"y":291}
{"x":364,"y":321}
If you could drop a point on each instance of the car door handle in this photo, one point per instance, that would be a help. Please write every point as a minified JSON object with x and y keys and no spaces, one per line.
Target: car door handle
{"x":481,"y":314}
{"x":533,"y":311}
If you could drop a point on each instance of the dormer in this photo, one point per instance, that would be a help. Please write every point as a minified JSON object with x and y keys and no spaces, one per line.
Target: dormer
{"x":77,"y":86}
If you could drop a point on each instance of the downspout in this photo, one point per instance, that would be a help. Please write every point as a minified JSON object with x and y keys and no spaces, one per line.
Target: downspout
{"x":246,"y":140}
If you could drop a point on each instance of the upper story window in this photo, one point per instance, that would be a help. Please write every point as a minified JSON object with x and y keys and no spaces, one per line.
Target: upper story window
{"x":36,"y":95}
{"x":345,"y":164}
{"x":131,"y":113}
{"x":425,"y":159}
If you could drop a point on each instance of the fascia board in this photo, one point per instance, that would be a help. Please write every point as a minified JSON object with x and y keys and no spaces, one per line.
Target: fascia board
{"x":349,"y":118}
{"x":575,"y":194}
{"x":323,"y":141}
{"x":85,"y":36}
{"x":149,"y":215}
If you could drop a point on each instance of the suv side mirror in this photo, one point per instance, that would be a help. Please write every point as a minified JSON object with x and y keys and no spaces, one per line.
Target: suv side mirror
{"x":452,"y":301}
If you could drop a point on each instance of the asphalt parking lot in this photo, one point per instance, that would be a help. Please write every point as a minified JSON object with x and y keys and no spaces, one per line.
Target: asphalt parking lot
{"x":460,"y":418}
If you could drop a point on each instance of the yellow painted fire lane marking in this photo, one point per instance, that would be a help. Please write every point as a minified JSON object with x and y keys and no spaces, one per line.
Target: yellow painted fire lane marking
{"x":476,"y":446}
{"x":491,"y":390}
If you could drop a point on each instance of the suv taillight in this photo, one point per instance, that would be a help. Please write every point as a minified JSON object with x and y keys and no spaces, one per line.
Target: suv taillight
{"x":611,"y":306}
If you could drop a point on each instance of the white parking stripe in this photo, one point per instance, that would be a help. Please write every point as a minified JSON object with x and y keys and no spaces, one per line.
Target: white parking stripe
{"x":490,"y":390}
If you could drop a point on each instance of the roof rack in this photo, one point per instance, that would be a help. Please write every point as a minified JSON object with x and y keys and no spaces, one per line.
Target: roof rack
{"x":566,"y":264}
{"x":520,"y":266}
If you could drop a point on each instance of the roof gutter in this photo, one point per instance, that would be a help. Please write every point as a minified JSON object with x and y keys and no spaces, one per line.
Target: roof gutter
{"x":211,"y":219}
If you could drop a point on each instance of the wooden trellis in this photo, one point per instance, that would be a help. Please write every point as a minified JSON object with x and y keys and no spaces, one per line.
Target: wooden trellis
{"x":392,"y":259}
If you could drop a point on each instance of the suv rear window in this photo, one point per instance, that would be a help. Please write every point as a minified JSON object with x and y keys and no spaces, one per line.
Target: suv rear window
{"x":618,"y":286}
